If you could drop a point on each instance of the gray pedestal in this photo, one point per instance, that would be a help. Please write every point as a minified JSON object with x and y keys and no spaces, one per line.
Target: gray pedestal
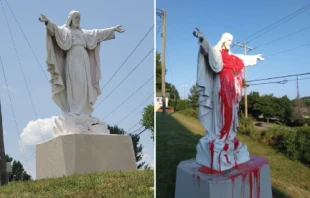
{"x":251,"y":179}
{"x":84,"y":153}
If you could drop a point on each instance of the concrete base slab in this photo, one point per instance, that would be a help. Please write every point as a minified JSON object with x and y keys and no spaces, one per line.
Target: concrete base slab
{"x":84,"y":153}
{"x":251,"y":179}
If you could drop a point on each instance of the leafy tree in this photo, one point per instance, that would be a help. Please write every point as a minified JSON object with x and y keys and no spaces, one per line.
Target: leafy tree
{"x":268,"y":106}
{"x":148,"y":119}
{"x":287,"y":108}
{"x":172,"y":90}
{"x":18,"y":171}
{"x":8,"y":158}
{"x":193,"y":97}
{"x":135,"y":141}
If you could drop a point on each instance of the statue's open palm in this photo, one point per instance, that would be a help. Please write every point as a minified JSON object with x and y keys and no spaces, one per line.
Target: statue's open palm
{"x":119,"y":29}
{"x":43,"y":18}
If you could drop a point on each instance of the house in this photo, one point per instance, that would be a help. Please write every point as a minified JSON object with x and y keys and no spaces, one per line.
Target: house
{"x":158,"y":102}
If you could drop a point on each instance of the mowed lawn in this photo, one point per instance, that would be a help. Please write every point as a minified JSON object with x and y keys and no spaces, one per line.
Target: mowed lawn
{"x":126,"y":184}
{"x":176,"y":140}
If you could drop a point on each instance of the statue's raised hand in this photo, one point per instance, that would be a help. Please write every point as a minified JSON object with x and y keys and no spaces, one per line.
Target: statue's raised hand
{"x":43,"y":18}
{"x":260,"y":57}
{"x":119,"y":29}
{"x":198,"y":35}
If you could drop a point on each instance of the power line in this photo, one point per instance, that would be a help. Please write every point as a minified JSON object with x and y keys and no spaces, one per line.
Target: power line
{"x":134,"y":110}
{"x":127,"y":57}
{"x":141,"y":132}
{"x":129,"y":97}
{"x":288,"y":50}
{"x":133,"y":126}
{"x":27,"y":40}
{"x":278,"y":77}
{"x":282,"y":37}
{"x":278,"y":82}
{"x":126,"y":77}
{"x":275,"y":24}
{"x":14,"y":116}
{"x":137,"y":130}
{"x":21,"y":68}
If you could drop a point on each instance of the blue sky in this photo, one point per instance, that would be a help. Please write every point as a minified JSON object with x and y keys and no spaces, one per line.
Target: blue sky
{"x":137,"y":18}
{"x":242,"y":19}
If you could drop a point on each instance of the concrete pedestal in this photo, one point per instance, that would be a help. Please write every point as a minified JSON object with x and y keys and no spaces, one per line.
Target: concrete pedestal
{"x":251,"y":179}
{"x":84,"y":153}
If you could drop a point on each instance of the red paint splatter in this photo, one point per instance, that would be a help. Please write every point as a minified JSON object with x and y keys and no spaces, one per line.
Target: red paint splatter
{"x":208,"y":171}
{"x":251,"y":183}
{"x":227,"y":160}
{"x":228,"y":93}
{"x":211,"y":148}
{"x":225,"y":147}
{"x":257,"y":180}
{"x":236,"y":143}
{"x":251,"y":167}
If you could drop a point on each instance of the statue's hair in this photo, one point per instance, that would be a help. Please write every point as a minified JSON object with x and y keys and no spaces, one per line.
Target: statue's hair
{"x":223,"y":39}
{"x":69,"y":20}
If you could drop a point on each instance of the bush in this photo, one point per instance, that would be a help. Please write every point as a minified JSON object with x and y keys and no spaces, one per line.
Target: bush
{"x":292,"y":141}
{"x":190,"y":113}
{"x":172,"y":103}
{"x":183,"y":105}
{"x":246,"y":126}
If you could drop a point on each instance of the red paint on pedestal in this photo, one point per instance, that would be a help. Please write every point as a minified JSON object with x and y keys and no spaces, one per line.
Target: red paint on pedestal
{"x":250,"y":168}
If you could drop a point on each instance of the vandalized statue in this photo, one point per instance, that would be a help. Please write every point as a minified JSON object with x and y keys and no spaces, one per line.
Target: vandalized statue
{"x":219,"y":84}
{"x":74,"y":64}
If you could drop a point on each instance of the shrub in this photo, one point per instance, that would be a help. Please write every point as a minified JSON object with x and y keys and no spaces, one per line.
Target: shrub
{"x":183,"y":104}
{"x":190,"y":112}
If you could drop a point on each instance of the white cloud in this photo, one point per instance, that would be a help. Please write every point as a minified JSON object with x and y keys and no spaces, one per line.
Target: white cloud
{"x":31,"y":134}
{"x":11,"y":89}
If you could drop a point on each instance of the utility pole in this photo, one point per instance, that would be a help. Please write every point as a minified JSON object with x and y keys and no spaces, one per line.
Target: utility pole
{"x":298,"y":99}
{"x":184,"y":90}
{"x":3,"y":173}
{"x":162,"y":13}
{"x":244,"y":71}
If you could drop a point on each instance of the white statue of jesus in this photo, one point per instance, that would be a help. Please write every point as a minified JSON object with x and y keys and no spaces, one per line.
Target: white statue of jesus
{"x":219,"y":84}
{"x":74,"y":64}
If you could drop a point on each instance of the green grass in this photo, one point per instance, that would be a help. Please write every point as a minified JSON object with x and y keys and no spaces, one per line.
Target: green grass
{"x":176,"y":140}
{"x":135,"y":184}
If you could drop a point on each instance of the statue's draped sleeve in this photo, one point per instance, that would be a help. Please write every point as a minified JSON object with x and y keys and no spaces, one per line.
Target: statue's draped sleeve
{"x":58,"y":40}
{"x":93,"y":39}
{"x":209,"y":64}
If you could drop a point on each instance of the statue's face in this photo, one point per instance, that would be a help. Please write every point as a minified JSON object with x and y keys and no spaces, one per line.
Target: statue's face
{"x":76,"y":20}
{"x":227,"y":44}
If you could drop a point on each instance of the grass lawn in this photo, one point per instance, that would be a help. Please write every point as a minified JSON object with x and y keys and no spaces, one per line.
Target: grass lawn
{"x":133,"y":184}
{"x":176,"y":140}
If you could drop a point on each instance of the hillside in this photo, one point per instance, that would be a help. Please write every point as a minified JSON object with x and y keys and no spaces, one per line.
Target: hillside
{"x":176,"y":140}
{"x":133,"y":184}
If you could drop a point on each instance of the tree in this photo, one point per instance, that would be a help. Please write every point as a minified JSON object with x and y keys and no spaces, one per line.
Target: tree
{"x":193,"y":97}
{"x":172,"y":90}
{"x":8,"y":158}
{"x":135,"y":141}
{"x":148,"y":119}
{"x":287,"y":107}
{"x":18,"y":172}
{"x":158,"y":71}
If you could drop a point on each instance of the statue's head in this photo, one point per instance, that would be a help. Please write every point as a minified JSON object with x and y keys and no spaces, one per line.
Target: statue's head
{"x":74,"y":19}
{"x":225,"y":42}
